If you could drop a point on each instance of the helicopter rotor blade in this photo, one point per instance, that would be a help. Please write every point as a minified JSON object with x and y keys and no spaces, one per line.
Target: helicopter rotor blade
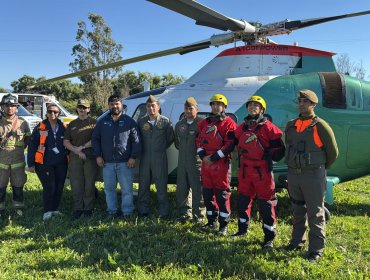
{"x":180,"y":50}
{"x":296,"y":24}
{"x":205,"y":16}
{"x":288,"y":26}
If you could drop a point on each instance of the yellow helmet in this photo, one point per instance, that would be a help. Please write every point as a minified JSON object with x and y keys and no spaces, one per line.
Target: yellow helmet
{"x":218,"y":98}
{"x":258,"y":99}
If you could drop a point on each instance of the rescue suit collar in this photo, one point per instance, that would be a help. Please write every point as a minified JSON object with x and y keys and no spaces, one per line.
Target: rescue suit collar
{"x":217,"y":117}
{"x":253,"y":120}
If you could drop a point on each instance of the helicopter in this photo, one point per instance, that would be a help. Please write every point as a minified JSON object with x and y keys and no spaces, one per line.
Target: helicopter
{"x":273,"y":71}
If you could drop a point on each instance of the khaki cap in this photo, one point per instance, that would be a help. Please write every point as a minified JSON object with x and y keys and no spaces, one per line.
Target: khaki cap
{"x":308,"y":94}
{"x":151,"y":99}
{"x":83,"y":102}
{"x":190,"y":101}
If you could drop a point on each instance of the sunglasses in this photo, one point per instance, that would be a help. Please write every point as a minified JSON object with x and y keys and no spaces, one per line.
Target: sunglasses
{"x":81,"y":107}
{"x":51,"y":112}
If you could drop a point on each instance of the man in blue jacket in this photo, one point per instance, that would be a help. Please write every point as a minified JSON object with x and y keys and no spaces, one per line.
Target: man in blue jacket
{"x":116,"y":145}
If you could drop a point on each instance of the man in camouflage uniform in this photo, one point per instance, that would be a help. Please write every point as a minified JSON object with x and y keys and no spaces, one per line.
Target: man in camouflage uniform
{"x":157,"y":135}
{"x":189,"y":190}
{"x":14,"y":135}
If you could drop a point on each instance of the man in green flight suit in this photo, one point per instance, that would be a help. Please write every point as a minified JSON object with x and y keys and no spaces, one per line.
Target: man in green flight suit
{"x":189,"y":189}
{"x":157,"y":135}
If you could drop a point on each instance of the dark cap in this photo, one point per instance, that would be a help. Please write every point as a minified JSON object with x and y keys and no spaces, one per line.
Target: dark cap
{"x":152,"y":99}
{"x":83,"y":102}
{"x":308,"y":94}
{"x":190,"y":101}
{"x":114,"y":98}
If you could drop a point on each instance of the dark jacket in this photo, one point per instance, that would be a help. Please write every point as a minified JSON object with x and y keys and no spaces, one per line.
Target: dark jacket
{"x":116,"y":141}
{"x":50,"y":156}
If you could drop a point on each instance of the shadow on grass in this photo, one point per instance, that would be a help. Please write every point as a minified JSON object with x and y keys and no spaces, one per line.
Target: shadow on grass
{"x":106,"y":245}
{"x":348,"y":209}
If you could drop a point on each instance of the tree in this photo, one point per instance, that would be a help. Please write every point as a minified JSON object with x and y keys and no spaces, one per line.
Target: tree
{"x":346,"y":66}
{"x":129,"y":83}
{"x":65,"y":89}
{"x":3,"y":89}
{"x":96,"y":47}
{"x":23,"y":84}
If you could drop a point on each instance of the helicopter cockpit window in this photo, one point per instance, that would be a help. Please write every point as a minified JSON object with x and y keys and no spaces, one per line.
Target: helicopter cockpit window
{"x":141,"y":112}
{"x":203,"y":115}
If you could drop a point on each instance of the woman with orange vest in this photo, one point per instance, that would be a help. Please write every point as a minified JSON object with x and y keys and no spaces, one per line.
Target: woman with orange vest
{"x":48,"y":157}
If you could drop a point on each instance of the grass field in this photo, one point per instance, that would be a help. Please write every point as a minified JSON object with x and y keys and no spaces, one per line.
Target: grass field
{"x":96,"y":248}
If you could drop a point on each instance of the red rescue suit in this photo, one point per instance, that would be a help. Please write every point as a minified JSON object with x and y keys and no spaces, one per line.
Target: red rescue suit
{"x":258,"y":145}
{"x":216,"y":138}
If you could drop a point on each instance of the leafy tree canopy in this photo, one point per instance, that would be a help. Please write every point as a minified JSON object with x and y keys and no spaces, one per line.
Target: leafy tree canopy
{"x":95,"y":47}
{"x":129,"y":83}
{"x":61,"y":90}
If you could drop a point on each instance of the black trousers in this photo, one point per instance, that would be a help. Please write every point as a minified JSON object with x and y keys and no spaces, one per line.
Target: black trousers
{"x":52,"y":179}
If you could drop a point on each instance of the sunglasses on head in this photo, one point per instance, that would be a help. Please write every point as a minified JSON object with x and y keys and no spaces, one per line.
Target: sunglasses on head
{"x":51,"y":111}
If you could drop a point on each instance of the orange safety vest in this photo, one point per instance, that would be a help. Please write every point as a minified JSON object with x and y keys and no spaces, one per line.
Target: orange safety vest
{"x":39,"y":155}
{"x":301,"y":125}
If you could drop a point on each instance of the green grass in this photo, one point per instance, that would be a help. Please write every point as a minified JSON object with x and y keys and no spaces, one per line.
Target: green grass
{"x":96,"y":248}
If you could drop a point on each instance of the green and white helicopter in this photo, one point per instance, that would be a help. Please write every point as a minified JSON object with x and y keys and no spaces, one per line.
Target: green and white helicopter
{"x":275,"y":72}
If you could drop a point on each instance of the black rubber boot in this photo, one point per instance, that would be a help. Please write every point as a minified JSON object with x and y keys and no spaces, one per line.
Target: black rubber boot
{"x":242,"y":229}
{"x":223,"y":228}
{"x":211,"y":224}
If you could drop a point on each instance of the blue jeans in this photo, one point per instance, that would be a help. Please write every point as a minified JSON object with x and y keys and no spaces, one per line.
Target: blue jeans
{"x":118,"y":172}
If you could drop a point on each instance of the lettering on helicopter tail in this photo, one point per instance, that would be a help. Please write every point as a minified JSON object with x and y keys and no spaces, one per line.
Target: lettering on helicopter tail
{"x":266,"y":48}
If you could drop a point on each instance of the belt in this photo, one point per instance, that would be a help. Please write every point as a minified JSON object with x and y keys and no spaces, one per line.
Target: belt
{"x":304,"y":170}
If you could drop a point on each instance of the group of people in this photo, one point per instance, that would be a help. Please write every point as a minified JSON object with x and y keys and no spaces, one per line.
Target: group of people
{"x":116,"y":143}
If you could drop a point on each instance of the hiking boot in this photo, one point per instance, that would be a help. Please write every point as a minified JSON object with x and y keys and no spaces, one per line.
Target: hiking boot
{"x":291,"y":247}
{"x":268,"y":245}
{"x":209,"y":226}
{"x":222,"y":230}
{"x":182,"y":219}
{"x":313,"y":256}
{"x":56,"y":213}
{"x":88,"y":213}
{"x":143,"y":215}
{"x":77,"y":214}
{"x":198,"y":220}
{"x":47,"y":216}
{"x":239,"y":233}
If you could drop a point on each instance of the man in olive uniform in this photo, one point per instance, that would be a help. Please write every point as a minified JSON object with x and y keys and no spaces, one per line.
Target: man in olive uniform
{"x":157,"y":135}
{"x":14,"y":135}
{"x":189,"y":190}
{"x":310,"y":149}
